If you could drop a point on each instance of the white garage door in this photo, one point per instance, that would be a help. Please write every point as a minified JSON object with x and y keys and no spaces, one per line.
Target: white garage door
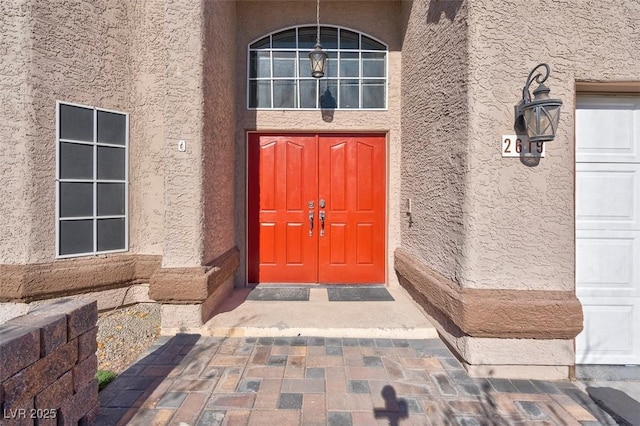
{"x":608,"y":228}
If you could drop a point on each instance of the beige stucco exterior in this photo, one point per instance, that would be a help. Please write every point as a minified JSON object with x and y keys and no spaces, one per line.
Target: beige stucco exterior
{"x":43,"y":41}
{"x":484,"y":222}
{"x":489,"y":219}
{"x":14,"y":43}
{"x":435,"y":128}
{"x":581,"y":43}
{"x":480,"y":223}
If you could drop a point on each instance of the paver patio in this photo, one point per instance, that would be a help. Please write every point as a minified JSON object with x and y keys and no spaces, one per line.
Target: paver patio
{"x":192,"y":380}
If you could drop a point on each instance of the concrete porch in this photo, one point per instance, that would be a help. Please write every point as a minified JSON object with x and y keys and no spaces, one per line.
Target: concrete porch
{"x":318,"y":316}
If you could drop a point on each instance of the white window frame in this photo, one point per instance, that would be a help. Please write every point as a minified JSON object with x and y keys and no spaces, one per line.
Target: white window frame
{"x":95,"y":181}
{"x":299,"y":51}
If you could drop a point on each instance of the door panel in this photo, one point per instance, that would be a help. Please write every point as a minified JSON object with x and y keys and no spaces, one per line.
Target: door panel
{"x":607,"y":128}
{"x":605,"y":196}
{"x":352,"y":179}
{"x":610,"y":331}
{"x":348,"y":173}
{"x":280,"y":248}
{"x":608,"y":266}
{"x":608,"y":228}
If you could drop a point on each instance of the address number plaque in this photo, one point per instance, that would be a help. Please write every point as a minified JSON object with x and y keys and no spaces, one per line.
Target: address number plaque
{"x":519,"y":146}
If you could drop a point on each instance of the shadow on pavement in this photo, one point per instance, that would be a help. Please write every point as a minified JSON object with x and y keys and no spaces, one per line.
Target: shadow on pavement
{"x":137,"y":386}
{"x":394,"y":409}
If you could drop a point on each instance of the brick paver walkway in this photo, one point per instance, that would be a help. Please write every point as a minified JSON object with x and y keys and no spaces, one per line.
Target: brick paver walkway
{"x":193,"y":380}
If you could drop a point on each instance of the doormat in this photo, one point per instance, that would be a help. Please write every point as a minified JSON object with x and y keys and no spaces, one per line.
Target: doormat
{"x":279,"y":294}
{"x":359,"y":294}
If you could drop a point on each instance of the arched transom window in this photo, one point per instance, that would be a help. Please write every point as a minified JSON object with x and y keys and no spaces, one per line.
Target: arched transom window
{"x":280,"y":78}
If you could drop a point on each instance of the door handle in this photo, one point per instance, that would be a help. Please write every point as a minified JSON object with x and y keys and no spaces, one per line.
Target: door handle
{"x":322,"y":224}
{"x":311,"y":224}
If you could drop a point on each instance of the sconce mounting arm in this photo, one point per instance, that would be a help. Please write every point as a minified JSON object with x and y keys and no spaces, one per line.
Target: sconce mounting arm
{"x":525,"y":90}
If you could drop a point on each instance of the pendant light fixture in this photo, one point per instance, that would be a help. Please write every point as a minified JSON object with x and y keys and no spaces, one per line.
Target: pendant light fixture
{"x":317,"y":57}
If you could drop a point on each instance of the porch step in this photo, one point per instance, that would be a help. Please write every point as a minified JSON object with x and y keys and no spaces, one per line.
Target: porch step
{"x":392,"y":316}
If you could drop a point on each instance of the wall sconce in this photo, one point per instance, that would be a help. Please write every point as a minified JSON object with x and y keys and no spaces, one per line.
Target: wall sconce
{"x":317,"y":57}
{"x":540,"y":116}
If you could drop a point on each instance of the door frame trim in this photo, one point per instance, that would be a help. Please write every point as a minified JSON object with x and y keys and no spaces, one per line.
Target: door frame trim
{"x":384,"y":133}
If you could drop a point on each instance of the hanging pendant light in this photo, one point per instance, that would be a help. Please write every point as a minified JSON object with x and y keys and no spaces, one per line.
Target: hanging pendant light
{"x":317,"y":57}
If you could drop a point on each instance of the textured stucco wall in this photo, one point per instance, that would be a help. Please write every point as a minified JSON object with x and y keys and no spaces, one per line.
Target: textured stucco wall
{"x":380,"y":19}
{"x":481,"y":220}
{"x":144,"y":58}
{"x":15,"y":40}
{"x":519,"y":220}
{"x":219,"y":127}
{"x":434,"y":131}
{"x":199,"y":108}
{"x":79,"y":54}
{"x":102,"y":54}
{"x":146,"y":127}
{"x":183,"y":113}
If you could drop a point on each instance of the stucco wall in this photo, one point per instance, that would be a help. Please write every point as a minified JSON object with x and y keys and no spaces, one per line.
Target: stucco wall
{"x":380,"y":19}
{"x":219,"y":127}
{"x":80,"y":55}
{"x":434,"y":132}
{"x":100,"y":53}
{"x":183,"y":114}
{"x":15,"y":39}
{"x":519,"y":220}
{"x":144,"y":58}
{"x":146,"y":127}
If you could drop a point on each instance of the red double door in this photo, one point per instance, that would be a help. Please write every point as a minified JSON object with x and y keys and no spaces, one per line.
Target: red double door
{"x":316,"y":208}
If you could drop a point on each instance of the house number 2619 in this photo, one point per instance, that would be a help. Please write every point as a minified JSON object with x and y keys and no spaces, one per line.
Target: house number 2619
{"x":519,"y":145}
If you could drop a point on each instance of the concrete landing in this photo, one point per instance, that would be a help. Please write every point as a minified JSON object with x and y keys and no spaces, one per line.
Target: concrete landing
{"x":623,"y":408}
{"x":239,"y":317}
{"x":614,"y":388}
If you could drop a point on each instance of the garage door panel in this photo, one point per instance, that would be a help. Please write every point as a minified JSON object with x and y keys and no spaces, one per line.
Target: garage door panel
{"x":606,"y":264}
{"x":597,"y":344}
{"x":606,"y":196}
{"x":607,"y":128}
{"x":607,"y":207}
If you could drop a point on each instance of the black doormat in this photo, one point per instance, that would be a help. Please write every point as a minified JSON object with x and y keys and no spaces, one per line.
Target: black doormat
{"x":359,"y":294}
{"x":283,"y":294}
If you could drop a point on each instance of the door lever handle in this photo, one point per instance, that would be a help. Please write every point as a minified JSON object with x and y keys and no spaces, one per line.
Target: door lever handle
{"x":322,"y":224}
{"x":311,"y":224}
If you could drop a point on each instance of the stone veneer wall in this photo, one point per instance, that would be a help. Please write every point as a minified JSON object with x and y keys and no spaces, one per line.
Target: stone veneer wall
{"x":48,"y":364}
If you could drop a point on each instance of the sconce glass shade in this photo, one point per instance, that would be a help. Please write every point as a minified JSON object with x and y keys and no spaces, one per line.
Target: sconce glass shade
{"x":317,"y":61}
{"x":540,"y":116}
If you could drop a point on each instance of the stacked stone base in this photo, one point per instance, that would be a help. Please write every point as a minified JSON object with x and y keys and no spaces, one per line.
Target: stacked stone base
{"x":48,"y":364}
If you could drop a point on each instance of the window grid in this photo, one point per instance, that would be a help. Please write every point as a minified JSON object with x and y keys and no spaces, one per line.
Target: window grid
{"x":94,"y":181}
{"x":302,"y":52}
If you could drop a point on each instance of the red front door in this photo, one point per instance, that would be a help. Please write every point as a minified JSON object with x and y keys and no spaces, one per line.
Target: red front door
{"x":316,"y":208}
